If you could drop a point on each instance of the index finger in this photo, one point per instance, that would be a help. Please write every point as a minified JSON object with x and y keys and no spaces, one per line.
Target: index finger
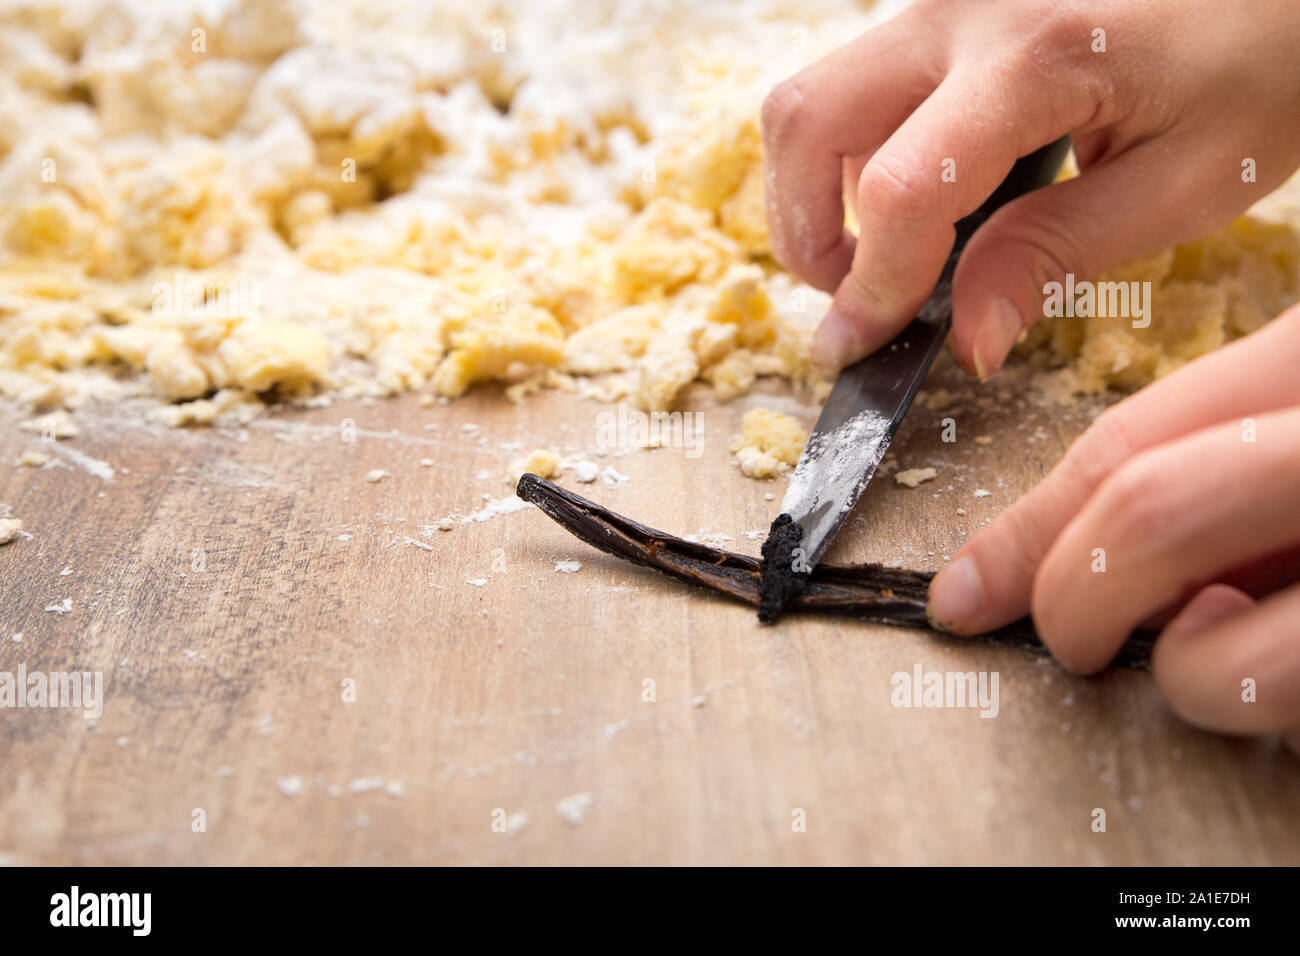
{"x":846,"y":104}
{"x":988,"y":583}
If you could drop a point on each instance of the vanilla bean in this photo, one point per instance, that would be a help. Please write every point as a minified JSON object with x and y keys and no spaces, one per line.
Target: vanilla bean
{"x":869,"y":592}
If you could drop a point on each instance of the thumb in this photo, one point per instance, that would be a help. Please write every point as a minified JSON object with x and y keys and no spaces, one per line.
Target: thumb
{"x":1139,"y":202}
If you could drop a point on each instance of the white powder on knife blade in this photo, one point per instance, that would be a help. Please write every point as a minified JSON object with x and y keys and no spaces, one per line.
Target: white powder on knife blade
{"x":840,"y":464}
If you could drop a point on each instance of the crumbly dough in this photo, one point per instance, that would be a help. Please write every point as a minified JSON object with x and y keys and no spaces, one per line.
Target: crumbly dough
{"x":1204,"y":294}
{"x":541,"y":462}
{"x":9,"y":529}
{"x":769,"y":443}
{"x":914,"y":476}
{"x":32,"y":459}
{"x":233,"y":200}
{"x":209,"y":203}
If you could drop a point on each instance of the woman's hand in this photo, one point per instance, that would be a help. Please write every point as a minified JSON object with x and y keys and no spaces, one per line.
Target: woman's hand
{"x":1183,"y":499}
{"x":1170,"y":104}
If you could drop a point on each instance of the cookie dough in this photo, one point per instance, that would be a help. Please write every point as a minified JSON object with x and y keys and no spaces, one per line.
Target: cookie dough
{"x":541,"y":462}
{"x":914,"y":476}
{"x":257,"y":199}
{"x":1204,"y":294}
{"x":10,"y":529}
{"x":769,"y":443}
{"x":217,"y":204}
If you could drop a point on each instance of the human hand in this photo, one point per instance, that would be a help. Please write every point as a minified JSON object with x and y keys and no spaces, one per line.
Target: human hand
{"x":1184,"y":93}
{"x":1190,"y":488}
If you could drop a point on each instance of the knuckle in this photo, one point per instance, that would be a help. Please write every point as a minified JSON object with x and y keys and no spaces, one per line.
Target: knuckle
{"x":1056,"y":32}
{"x":1136,"y":501}
{"x":897,"y":188}
{"x":1100,"y":449}
{"x":1055,"y":53}
{"x":1064,"y":26}
{"x":781,"y":110}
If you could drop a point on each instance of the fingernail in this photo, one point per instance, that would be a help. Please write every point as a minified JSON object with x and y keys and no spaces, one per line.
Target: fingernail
{"x":999,"y":332}
{"x":835,"y":343}
{"x":955,"y":595}
{"x":1210,"y":606}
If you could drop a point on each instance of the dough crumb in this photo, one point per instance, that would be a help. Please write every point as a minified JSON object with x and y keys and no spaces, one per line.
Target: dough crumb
{"x":63,"y":607}
{"x":426,"y":462}
{"x":568,"y":566}
{"x":573,"y":810}
{"x":982,"y":493}
{"x":290,"y":786}
{"x":445,"y":524}
{"x":984,"y":439}
{"x":55,"y":425}
{"x":541,"y":462}
{"x":768,"y":444}
{"x":33,"y":459}
{"x":915,"y":476}
{"x":938,"y":400}
{"x":588,"y":471}
{"x":376,"y":474}
{"x":10,"y":528}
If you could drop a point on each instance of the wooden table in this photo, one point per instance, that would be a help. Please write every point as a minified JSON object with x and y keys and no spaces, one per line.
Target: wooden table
{"x":230,"y":583}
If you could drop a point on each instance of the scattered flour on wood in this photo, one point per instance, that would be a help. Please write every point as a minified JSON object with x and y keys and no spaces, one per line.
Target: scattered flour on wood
{"x":573,"y":810}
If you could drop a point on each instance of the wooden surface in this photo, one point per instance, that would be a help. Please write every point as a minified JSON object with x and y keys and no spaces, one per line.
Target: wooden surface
{"x":209,"y":583}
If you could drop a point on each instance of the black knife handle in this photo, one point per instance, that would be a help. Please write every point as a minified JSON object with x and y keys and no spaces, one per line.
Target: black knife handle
{"x":1031,"y":172}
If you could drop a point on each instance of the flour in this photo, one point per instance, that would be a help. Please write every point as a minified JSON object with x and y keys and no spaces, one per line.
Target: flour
{"x":839,"y":472}
{"x":92,"y":466}
{"x":573,"y":810}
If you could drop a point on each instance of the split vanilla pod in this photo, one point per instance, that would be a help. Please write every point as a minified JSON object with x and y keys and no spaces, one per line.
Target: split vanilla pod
{"x":867,"y":592}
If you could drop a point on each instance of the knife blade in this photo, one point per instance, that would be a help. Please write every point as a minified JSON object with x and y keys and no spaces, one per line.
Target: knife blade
{"x":864,"y":409}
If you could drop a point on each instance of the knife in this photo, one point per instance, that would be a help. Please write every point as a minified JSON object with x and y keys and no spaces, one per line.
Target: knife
{"x":865,"y":407}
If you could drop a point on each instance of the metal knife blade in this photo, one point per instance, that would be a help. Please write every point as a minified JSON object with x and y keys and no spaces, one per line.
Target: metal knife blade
{"x":864,"y":409}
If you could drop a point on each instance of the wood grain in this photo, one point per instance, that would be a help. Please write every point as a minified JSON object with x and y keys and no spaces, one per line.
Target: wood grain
{"x":225,"y":682}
